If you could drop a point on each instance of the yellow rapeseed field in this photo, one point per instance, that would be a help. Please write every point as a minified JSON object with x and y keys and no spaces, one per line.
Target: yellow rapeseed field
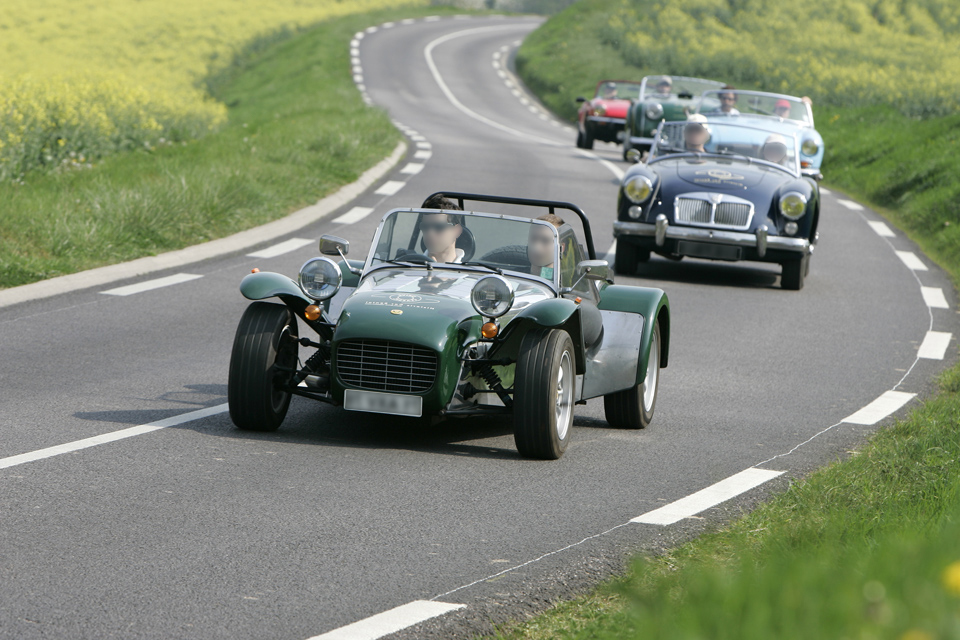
{"x":844,"y":52}
{"x":82,"y":79}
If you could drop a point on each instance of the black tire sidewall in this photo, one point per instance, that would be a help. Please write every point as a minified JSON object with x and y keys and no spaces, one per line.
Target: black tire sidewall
{"x":535,"y":423}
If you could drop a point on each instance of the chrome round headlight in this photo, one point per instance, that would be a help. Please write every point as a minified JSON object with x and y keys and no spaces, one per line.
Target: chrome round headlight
{"x":793,"y":205}
{"x":638,"y":188}
{"x":320,"y":278}
{"x":492,"y":296}
{"x":809,"y":147}
{"x":655,"y":111}
{"x":601,"y":109}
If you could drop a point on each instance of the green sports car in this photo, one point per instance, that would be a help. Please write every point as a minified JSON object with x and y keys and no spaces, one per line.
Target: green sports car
{"x":456,"y":313}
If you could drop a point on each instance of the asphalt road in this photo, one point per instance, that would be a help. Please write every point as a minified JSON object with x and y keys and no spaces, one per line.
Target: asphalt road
{"x":198,"y":530}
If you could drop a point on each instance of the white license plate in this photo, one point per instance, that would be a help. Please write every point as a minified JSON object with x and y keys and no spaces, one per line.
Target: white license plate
{"x":376,"y":402}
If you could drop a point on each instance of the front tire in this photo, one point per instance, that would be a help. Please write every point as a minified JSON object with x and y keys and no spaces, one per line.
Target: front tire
{"x":633,"y":408}
{"x":792,"y":275}
{"x":544,"y":391}
{"x":587,"y":137}
{"x":262,"y":363}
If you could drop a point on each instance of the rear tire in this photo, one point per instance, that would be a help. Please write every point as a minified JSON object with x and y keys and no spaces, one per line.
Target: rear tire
{"x":544,"y":391}
{"x":633,"y":408}
{"x":791,"y":278}
{"x":266,"y":338}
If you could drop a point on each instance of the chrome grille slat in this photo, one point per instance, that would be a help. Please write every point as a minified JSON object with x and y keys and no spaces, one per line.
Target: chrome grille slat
{"x":702,"y":209}
{"x":383,"y":365}
{"x":732,"y":214}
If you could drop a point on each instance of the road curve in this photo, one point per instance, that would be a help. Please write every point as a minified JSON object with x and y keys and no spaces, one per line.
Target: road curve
{"x":186,"y":527}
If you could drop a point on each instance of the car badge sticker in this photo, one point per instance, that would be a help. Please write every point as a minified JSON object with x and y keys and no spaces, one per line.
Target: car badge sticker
{"x":715,"y":198}
{"x":396,"y":312}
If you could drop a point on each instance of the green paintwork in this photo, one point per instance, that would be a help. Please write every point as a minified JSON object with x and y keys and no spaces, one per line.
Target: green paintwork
{"x":350,"y":279}
{"x":259,"y":286}
{"x":673,"y":109}
{"x":651,"y":304}
{"x":555,"y":313}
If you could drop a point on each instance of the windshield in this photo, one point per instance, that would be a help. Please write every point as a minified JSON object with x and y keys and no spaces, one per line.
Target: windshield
{"x":611,"y":90}
{"x":663,"y":87}
{"x":756,"y":103}
{"x":445,"y":239}
{"x":729,"y":140}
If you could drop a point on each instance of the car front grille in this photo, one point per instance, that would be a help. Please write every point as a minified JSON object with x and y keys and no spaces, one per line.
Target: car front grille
{"x":700,"y":210}
{"x":384,"y":365}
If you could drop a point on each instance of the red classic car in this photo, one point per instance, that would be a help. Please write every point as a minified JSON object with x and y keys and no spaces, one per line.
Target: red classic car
{"x":603,"y":117}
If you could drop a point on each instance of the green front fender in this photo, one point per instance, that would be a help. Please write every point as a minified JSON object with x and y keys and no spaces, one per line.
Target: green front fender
{"x":264,"y":284}
{"x":554,"y":313}
{"x":653,"y":305}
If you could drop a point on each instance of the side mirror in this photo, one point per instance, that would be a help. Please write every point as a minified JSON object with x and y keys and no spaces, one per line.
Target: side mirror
{"x":581,"y":99}
{"x":334,"y":246}
{"x":594,"y":270}
{"x":634,"y":155}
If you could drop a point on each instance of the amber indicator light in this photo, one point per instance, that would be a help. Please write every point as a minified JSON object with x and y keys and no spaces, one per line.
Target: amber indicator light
{"x":489,"y":330}
{"x":312,"y":312}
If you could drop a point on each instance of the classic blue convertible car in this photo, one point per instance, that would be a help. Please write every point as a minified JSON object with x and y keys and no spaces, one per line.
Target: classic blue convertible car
{"x":783,"y":114}
{"x":721,"y":191}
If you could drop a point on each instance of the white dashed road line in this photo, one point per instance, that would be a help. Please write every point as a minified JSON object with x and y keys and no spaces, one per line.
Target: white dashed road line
{"x":390,"y":621}
{"x":281,"y":248}
{"x":882,"y":229}
{"x":150,"y":285}
{"x":390,"y":187}
{"x":412,"y":168}
{"x":880,"y":408}
{"x":850,"y":204}
{"x":934,"y":345}
{"x":354,"y":215}
{"x":423,"y":154}
{"x":704,"y":499}
{"x":911,"y":260}
{"x":934,"y":297}
{"x":826,"y":192}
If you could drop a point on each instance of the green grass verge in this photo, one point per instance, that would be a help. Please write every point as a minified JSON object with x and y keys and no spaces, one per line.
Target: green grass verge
{"x":298,"y":130}
{"x":865,"y":548}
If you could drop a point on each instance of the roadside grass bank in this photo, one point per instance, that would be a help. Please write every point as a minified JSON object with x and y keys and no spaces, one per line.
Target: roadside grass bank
{"x":297,"y":130}
{"x":864,"y":548}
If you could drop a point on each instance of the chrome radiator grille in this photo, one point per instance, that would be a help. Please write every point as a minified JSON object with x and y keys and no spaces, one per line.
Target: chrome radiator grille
{"x":383,"y":365}
{"x":702,"y":209}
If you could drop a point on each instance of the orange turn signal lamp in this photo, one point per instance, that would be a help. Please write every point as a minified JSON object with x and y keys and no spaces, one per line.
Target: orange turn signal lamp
{"x":312,"y":312}
{"x":489,"y":330}
{"x":254,"y":270}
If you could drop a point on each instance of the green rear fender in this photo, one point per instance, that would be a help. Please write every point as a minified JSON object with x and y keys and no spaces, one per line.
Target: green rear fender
{"x":653,"y":305}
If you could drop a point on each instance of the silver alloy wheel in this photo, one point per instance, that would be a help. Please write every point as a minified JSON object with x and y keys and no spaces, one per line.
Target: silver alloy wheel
{"x":564,"y":399}
{"x":653,"y":373}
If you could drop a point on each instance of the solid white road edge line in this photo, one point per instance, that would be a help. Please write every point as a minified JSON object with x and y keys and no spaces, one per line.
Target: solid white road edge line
{"x":150,"y":285}
{"x":113,"y":436}
{"x":279,"y":249}
{"x":208,"y":250}
{"x":934,"y":297}
{"x":910,"y":259}
{"x":887,"y":403}
{"x":934,"y":346}
{"x":391,"y":621}
{"x":708,"y":498}
{"x":881,"y":229}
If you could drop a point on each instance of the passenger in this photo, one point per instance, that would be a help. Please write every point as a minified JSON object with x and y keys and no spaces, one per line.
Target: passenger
{"x":774,"y":149}
{"x":540,"y":244}
{"x":441,"y":230}
{"x":696,"y":133}
{"x":664,"y":87}
{"x":782,"y":109}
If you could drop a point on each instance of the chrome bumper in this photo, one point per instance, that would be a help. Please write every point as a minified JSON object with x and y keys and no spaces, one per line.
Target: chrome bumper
{"x":760,"y":240}
{"x":635,"y":140}
{"x":606,"y":120}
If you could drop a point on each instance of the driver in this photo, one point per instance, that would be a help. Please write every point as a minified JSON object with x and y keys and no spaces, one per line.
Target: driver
{"x":540,"y":243}
{"x":774,"y":149}
{"x":782,"y":109}
{"x":728,"y":100}
{"x":664,"y":87}
{"x":609,"y":91}
{"x":696,"y":133}
{"x":441,"y":230}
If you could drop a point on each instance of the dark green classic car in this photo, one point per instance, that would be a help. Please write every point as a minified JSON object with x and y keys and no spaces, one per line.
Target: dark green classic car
{"x":661,"y":98}
{"x":513,"y":315}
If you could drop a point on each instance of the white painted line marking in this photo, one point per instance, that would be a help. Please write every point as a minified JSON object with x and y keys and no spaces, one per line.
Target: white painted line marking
{"x":501,"y":73}
{"x":391,"y":621}
{"x":496,"y":55}
{"x":371,"y":29}
{"x":354,"y":215}
{"x":113,"y":436}
{"x":523,"y":101}
{"x":707,"y":498}
{"x":387,"y":25}
{"x":611,"y":253}
{"x":355,"y":59}
{"x":496,"y":65}
{"x":389,"y":188}
{"x":362,"y":87}
{"x":423,"y":154}
{"x":417,"y":138}
{"x":544,"y":116}
{"x":911,"y":260}
{"x":279,"y":249}
{"x":934,"y":345}
{"x":431,"y":18}
{"x":934,"y":297}
{"x":412,"y":168}
{"x":424,"y":145}
{"x":355,"y":44}
{"x":516,"y":94}
{"x":407,"y":21}
{"x":850,"y":204}
{"x":880,"y":408}
{"x":358,"y":78}
{"x":881,"y":229}
{"x":149,"y":285}
{"x":358,"y":35}
{"x":826,"y":192}
{"x":357,"y":69}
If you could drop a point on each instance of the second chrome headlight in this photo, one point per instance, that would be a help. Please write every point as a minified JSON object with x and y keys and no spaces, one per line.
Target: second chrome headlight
{"x":320,"y":278}
{"x":638,"y":188}
{"x":492,"y":296}
{"x":793,"y":205}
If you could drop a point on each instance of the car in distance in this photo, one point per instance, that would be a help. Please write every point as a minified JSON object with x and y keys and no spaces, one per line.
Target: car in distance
{"x":494,"y":332}
{"x":787,"y":115}
{"x":603,"y":116}
{"x":661,"y":98}
{"x":722,"y":191}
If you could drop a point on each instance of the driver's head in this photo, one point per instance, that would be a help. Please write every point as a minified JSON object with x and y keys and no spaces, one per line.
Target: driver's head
{"x":782,"y":108}
{"x":728,"y":97}
{"x":774,"y":148}
{"x":440,"y":232}
{"x":610,"y":90}
{"x":540,"y":241}
{"x":664,"y":85}
{"x":696,"y":132}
